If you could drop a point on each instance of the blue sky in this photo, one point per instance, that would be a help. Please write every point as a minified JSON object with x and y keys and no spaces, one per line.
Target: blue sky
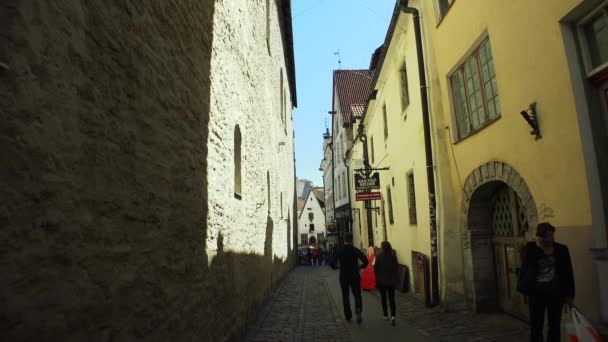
{"x":321,"y":27}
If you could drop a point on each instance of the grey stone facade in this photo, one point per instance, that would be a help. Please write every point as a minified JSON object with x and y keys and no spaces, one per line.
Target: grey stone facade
{"x":110,"y":228}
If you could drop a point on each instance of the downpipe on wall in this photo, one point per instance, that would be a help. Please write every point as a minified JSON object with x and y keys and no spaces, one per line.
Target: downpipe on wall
{"x":430,"y":174}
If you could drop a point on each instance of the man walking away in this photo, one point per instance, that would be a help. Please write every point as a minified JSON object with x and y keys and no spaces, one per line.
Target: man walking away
{"x":387,"y":276}
{"x":350,"y":278}
{"x":546,"y":277}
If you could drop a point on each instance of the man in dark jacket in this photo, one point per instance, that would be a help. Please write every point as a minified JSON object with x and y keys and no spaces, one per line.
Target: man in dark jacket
{"x":546,"y":277}
{"x":348,"y":257}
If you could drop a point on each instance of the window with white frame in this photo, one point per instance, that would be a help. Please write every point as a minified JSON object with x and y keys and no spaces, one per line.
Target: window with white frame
{"x":442,"y":7}
{"x":475,"y":92}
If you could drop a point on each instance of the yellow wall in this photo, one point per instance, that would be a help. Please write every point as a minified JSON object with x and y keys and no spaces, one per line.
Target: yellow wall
{"x":531,"y":66}
{"x":402,"y":151}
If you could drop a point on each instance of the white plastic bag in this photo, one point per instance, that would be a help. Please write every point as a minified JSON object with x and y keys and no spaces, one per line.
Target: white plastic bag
{"x":580,"y":330}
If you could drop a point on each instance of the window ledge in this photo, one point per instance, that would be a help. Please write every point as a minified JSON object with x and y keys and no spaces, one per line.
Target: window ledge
{"x":481,"y":128}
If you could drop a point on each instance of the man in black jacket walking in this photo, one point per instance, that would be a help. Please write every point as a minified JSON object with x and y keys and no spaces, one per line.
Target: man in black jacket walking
{"x":350,"y":277}
{"x":546,"y":277}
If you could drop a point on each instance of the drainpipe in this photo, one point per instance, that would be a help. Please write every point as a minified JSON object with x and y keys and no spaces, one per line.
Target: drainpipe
{"x":430,"y":174}
{"x":348,"y":189}
{"x":333,"y":184}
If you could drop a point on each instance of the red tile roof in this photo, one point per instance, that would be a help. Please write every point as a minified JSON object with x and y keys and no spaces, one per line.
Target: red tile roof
{"x":353,"y":88}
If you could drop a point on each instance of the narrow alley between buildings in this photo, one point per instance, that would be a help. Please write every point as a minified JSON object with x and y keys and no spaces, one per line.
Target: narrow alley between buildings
{"x":306,"y":306}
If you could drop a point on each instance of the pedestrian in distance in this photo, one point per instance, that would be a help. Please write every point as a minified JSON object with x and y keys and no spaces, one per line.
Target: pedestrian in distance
{"x":547,"y":278}
{"x":387,"y":277}
{"x":350,"y":279}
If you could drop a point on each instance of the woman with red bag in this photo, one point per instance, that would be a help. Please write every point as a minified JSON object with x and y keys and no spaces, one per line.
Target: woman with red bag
{"x":368,"y":276}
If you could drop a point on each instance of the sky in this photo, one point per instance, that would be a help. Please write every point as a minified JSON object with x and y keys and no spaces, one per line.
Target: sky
{"x":321,"y":28}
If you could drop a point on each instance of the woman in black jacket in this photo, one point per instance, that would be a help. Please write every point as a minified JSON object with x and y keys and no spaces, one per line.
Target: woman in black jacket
{"x":386,"y":267}
{"x":546,"y":277}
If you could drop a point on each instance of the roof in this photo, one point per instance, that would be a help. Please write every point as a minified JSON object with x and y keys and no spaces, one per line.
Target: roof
{"x":320,"y":195}
{"x":301,"y":203}
{"x":353,"y":88}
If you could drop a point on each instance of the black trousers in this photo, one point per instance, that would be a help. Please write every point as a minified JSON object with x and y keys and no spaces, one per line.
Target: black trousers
{"x":539,"y":304}
{"x":353,"y":284}
{"x":391,"y":298}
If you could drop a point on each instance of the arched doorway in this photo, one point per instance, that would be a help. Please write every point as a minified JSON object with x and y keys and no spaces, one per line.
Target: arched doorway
{"x":498,"y":213}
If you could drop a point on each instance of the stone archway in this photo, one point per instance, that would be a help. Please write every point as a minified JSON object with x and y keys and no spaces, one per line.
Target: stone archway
{"x":480,"y":274}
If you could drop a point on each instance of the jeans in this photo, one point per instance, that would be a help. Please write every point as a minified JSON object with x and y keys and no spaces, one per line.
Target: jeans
{"x":391,"y":298}
{"x":553,"y":305}
{"x":354,"y":285}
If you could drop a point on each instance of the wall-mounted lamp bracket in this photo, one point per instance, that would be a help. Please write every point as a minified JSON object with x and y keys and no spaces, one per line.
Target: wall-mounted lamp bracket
{"x":532,"y":119}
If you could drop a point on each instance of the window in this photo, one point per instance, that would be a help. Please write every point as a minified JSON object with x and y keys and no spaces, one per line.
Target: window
{"x":285,"y":111}
{"x":411,"y":197}
{"x":282,"y":99}
{"x":385,"y":121}
{"x":268,"y":188}
{"x":303,"y":239}
{"x":596,"y":36}
{"x":281,"y":205}
{"x":371,"y":139}
{"x":390,"y":204}
{"x":237,"y":162}
{"x":311,"y":216}
{"x":475,"y":92}
{"x":442,"y":7}
{"x":311,"y":227}
{"x":405,"y":94}
{"x":344,"y":186}
{"x":268,"y":25}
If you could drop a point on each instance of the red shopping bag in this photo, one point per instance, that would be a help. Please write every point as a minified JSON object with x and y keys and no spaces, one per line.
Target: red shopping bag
{"x":580,"y":330}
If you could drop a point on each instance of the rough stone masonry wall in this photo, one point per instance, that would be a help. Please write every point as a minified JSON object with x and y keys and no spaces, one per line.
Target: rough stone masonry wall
{"x":104,"y":119}
{"x":246,"y":91}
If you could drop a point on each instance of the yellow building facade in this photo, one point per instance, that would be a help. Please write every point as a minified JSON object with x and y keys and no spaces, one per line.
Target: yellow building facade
{"x":488,"y":65}
{"x":395,"y":143}
{"x":488,"y":61}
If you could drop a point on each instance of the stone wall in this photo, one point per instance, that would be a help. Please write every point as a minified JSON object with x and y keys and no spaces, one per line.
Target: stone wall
{"x":109,"y":229}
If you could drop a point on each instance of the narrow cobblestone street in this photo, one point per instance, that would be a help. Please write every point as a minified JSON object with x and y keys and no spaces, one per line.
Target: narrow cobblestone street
{"x":306,"y":307}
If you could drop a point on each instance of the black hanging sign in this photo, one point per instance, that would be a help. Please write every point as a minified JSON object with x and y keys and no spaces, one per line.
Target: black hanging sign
{"x":365,"y":183}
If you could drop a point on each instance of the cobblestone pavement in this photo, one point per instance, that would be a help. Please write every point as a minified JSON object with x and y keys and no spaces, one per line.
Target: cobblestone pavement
{"x":306,"y":307}
{"x":301,"y":310}
{"x":458,"y":325}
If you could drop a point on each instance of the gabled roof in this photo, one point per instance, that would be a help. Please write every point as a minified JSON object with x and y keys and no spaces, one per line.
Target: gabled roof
{"x":352,"y":88}
{"x":301,"y":203}
{"x":320,"y":195}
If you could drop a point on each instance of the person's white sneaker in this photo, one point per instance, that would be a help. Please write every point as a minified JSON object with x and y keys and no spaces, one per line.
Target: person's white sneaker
{"x":385,"y":318}
{"x":393,"y":320}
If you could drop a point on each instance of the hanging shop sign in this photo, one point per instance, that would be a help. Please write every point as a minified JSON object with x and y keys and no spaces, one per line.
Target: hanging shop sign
{"x":366,"y":183}
{"x":368,"y":196}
